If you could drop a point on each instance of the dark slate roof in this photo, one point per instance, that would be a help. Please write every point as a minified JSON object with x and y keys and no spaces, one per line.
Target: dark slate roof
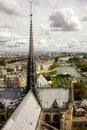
{"x":83,"y":103}
{"x":49,"y":95}
{"x":9,"y":94}
{"x":26,"y":116}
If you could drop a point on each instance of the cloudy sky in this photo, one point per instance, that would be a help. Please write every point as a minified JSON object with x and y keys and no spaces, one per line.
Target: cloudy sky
{"x":58,"y":25}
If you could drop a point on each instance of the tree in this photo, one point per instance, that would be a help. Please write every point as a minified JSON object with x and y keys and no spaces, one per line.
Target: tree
{"x":53,"y":66}
{"x":82,"y":128}
{"x":3,"y":63}
{"x":56,"y":59}
{"x":80,"y":91}
{"x":10,"y":69}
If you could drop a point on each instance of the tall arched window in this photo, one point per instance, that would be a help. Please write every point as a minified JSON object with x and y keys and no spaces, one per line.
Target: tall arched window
{"x":47,"y":117}
{"x":55,"y":118}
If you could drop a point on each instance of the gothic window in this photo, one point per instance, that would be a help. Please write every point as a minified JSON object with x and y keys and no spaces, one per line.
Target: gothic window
{"x":47,"y":117}
{"x":55,"y":118}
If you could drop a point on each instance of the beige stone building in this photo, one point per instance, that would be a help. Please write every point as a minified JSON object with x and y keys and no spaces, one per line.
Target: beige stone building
{"x":49,"y":109}
{"x":52,"y":109}
{"x":13,"y":80}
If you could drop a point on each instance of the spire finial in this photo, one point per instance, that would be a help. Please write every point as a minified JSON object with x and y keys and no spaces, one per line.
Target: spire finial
{"x":30,"y":8}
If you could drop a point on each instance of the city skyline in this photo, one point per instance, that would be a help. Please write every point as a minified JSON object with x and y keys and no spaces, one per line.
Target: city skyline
{"x":57,"y":25}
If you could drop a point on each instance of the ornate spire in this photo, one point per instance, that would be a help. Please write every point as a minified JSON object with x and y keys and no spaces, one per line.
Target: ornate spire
{"x":31,"y":68}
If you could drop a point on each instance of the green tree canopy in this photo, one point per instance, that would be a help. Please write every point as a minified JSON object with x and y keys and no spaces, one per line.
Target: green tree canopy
{"x":10,"y":69}
{"x":80,"y":91}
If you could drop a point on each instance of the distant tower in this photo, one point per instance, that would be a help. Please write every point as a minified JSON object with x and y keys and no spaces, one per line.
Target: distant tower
{"x":31,"y":66}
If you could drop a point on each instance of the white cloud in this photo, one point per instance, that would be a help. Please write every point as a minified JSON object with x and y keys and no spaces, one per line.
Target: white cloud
{"x":71,"y":45}
{"x":84,"y":9}
{"x":43,"y":1}
{"x":21,"y":41}
{"x":44,"y":27}
{"x":84,"y":17}
{"x":7,"y":25}
{"x":42,"y":42}
{"x":45,"y":30}
{"x":12,"y":40}
{"x":74,"y":45}
{"x":65,"y":19}
{"x":73,"y":40}
{"x":48,"y":2}
{"x":11,"y":7}
{"x":4,"y":33}
{"x":46,"y":37}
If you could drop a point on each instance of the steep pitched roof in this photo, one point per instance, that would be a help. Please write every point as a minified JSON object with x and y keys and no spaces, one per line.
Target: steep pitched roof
{"x":48,"y":95}
{"x":55,"y":105}
{"x":26,"y":116}
{"x":84,"y":103}
{"x":42,"y":81}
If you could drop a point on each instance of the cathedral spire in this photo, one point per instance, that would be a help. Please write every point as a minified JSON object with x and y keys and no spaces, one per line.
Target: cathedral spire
{"x":71,"y":93}
{"x":31,"y":68}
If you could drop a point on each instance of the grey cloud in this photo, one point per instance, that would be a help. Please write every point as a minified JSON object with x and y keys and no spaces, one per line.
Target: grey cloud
{"x":11,"y":40}
{"x":5,"y":35}
{"x":11,"y":7}
{"x":64,"y":19}
{"x":13,"y":46}
{"x":84,"y":18}
{"x":47,"y":2}
{"x":3,"y":41}
{"x":42,"y":1}
{"x":76,"y":45}
{"x":21,"y":41}
{"x":38,"y":43}
{"x":72,"y":43}
{"x":7,"y":25}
